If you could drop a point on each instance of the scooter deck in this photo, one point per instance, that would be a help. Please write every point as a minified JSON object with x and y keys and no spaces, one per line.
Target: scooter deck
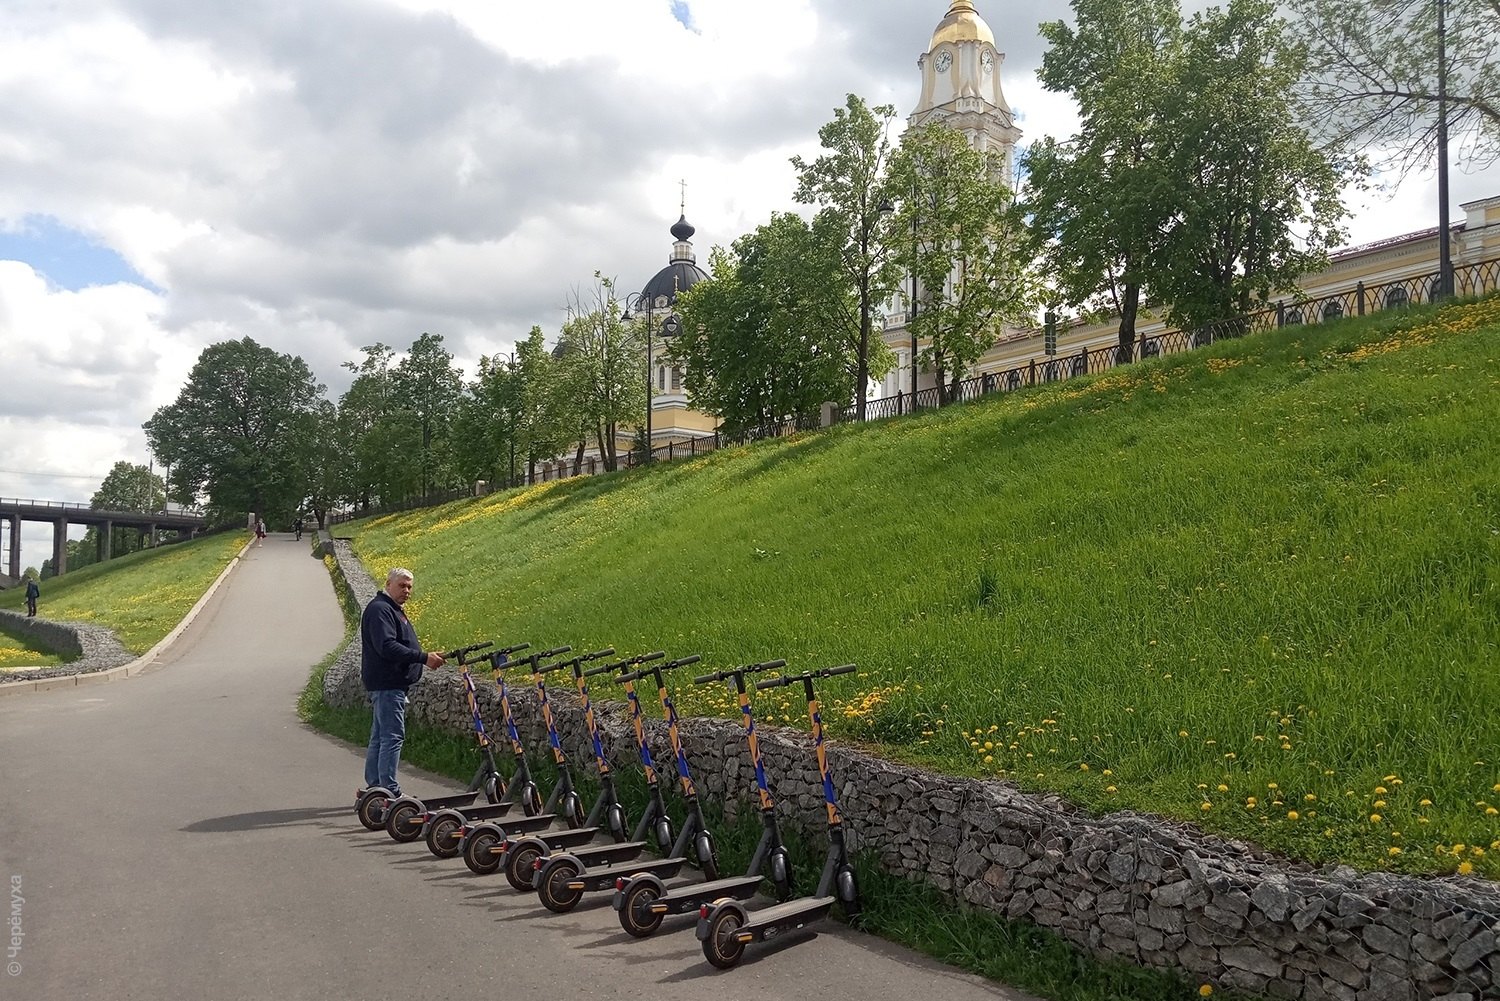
{"x":686,"y":899}
{"x":449,"y":802}
{"x":787,"y":916}
{"x":519,"y":825}
{"x":610,"y":853}
{"x":569,"y":838}
{"x":487,"y":812}
{"x":594,"y":880}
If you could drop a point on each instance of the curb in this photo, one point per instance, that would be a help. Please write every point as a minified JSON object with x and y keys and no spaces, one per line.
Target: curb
{"x":136,"y":666}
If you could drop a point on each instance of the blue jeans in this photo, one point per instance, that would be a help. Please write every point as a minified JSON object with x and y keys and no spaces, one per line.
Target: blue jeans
{"x":387,"y":734}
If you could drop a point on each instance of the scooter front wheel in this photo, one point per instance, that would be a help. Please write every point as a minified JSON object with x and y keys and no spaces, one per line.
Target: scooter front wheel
{"x":721,"y":947}
{"x":520,"y":865}
{"x":636,"y":916}
{"x":442,"y":836}
{"x":552,"y":887}
{"x":479,"y":852}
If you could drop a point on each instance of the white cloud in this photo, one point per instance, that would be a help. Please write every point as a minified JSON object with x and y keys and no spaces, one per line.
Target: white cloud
{"x":324,"y":176}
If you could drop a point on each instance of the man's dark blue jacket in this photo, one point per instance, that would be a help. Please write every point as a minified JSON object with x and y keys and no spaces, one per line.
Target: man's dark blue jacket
{"x":390,"y":656}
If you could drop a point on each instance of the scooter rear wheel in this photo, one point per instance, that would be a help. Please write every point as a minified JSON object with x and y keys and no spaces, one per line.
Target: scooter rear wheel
{"x":553,"y":889}
{"x":402,"y":823}
{"x":720,"y":947}
{"x":371,"y":811}
{"x":442,"y":836}
{"x":635,"y":910}
{"x":479,"y":852}
{"x":520,"y":865}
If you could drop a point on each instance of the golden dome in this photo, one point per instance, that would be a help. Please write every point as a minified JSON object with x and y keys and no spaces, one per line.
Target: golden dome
{"x":963,"y":24}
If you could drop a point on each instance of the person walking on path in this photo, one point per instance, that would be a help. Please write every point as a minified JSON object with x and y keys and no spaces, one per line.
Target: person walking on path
{"x":32,"y":594}
{"x":260,"y":531}
{"x":391,"y":661}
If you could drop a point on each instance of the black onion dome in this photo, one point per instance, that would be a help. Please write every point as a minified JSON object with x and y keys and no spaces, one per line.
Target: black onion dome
{"x":682,"y":230}
{"x":675,"y":278}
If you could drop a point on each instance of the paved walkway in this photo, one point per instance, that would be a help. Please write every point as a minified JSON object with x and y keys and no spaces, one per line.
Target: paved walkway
{"x":181,"y":834}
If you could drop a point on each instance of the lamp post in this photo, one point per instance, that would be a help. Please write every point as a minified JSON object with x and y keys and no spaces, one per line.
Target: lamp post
{"x":1445,"y":256}
{"x":669,"y":329}
{"x":911,"y":313}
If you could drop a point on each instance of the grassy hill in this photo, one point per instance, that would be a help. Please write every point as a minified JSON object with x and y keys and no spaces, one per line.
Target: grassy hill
{"x":141,"y":596}
{"x":1255,"y":586}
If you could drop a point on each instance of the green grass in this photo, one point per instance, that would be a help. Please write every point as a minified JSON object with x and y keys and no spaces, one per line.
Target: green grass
{"x":141,"y":596}
{"x":22,"y":651}
{"x":1254,"y":586}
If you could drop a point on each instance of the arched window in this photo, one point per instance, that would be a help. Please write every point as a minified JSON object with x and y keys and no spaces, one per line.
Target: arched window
{"x":1396,"y":298}
{"x":1292,"y":317}
{"x":676,"y":379}
{"x":1332,"y":311}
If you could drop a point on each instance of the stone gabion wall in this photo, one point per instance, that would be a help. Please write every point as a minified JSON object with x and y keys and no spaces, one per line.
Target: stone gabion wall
{"x":89,"y":648}
{"x":1123,"y":886}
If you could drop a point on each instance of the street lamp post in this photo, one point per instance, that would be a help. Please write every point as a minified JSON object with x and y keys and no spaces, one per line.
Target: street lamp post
{"x":669,"y":328}
{"x":1445,"y":256}
{"x":911,"y":313}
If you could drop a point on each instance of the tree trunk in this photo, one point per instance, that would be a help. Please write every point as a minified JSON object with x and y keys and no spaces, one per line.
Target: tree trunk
{"x":1130,"y":306}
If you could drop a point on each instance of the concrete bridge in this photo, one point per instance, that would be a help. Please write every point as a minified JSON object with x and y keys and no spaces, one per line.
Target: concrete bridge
{"x":13,"y":511}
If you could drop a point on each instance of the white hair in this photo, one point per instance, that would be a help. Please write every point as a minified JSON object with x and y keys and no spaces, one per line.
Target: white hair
{"x":399,"y":573}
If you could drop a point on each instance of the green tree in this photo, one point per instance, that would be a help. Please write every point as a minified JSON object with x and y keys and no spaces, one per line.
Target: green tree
{"x":365,"y":425}
{"x":847,"y":183}
{"x":427,"y":389}
{"x":232,"y":434}
{"x":599,"y":369}
{"x":1259,"y":202}
{"x":1101,"y":200}
{"x":484,"y":425}
{"x":966,"y":249}
{"x":763,"y":339}
{"x":128,"y":487}
{"x":541,"y":430}
{"x":1372,"y":76}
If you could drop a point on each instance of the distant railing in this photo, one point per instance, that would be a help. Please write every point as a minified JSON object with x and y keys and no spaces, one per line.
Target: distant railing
{"x":171,"y":510}
{"x":1475,"y":279}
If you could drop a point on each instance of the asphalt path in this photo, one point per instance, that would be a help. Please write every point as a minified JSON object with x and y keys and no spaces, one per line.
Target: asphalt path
{"x":182,"y":834}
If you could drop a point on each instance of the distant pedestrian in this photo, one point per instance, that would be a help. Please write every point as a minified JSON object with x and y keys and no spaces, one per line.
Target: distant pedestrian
{"x":260,"y":531}
{"x":298,"y":527}
{"x":32,"y":594}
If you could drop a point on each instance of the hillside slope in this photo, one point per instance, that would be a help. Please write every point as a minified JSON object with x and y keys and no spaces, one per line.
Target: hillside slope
{"x":1255,"y":586}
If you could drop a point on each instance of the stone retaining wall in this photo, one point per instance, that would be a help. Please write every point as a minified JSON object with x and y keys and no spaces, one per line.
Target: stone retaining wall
{"x":87,"y":648}
{"x":1123,"y":886}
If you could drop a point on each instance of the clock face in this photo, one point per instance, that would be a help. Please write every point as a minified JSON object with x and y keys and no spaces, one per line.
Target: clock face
{"x":987,"y":60}
{"x":944,"y":60}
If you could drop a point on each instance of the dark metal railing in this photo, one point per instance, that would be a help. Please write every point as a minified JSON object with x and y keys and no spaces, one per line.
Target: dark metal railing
{"x":1475,"y":279}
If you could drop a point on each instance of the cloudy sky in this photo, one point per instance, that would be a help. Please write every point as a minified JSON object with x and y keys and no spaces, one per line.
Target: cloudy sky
{"x":324,"y":174}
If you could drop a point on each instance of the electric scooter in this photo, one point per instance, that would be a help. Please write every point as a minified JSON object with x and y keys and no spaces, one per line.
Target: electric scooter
{"x":406,"y":815}
{"x":727,"y":926}
{"x":371,"y":803}
{"x":483,"y":846}
{"x":523,"y":856}
{"x":644,"y":900}
{"x":562,"y":878}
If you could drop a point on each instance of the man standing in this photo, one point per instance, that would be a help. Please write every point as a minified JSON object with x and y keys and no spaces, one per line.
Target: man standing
{"x":32,"y":594}
{"x":391,"y":661}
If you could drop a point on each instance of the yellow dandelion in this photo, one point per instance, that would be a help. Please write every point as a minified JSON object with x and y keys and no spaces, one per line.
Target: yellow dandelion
{"x":1110,"y":789}
{"x":1206,"y":807}
{"x":1380,"y":790}
{"x":1205,"y":990}
{"x":1393,"y":850}
{"x":1375,"y":818}
{"x":1222,"y":787}
{"x":1464,"y":868}
{"x":1291,"y":815}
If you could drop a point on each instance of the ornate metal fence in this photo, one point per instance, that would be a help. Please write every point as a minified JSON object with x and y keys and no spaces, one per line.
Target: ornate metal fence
{"x":1469,"y":280}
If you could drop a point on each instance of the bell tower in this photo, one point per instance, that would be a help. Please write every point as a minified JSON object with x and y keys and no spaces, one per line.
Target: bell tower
{"x":961,"y":85}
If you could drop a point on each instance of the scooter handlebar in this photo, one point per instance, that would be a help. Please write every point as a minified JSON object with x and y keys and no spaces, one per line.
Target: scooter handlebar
{"x":608,"y":651}
{"x":692,"y":658}
{"x":769,"y":665}
{"x":792,"y":679}
{"x":462,"y":653}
